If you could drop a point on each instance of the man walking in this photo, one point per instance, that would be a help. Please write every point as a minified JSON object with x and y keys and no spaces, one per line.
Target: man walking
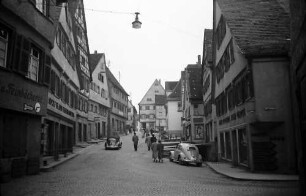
{"x":135,"y":141}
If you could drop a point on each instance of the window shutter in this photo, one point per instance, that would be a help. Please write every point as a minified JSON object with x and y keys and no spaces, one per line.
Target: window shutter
{"x":17,"y":52}
{"x":52,"y":82}
{"x":25,"y":57}
{"x":47,"y":70}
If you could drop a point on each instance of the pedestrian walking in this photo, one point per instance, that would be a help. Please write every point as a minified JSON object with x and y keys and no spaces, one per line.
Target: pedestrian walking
{"x":153,"y":139}
{"x":160,"y":149}
{"x":154,"y":152}
{"x":135,"y":140}
{"x":148,"y":142}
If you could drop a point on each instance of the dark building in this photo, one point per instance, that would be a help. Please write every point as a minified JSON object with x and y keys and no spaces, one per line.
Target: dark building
{"x":298,"y":71}
{"x":27,"y":34}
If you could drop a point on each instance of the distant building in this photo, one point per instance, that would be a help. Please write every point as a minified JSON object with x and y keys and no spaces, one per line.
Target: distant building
{"x":147,"y":106}
{"x":193,"y":110}
{"x":160,"y":113}
{"x":174,"y":110}
{"x":99,"y":104}
{"x":118,"y":115}
{"x":131,"y":123}
{"x":252,"y":89}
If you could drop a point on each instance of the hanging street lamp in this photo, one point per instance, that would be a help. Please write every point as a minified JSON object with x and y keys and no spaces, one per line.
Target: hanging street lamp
{"x":136,"y":24}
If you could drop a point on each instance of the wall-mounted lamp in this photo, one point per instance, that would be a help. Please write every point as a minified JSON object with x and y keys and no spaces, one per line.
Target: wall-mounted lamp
{"x":136,"y":24}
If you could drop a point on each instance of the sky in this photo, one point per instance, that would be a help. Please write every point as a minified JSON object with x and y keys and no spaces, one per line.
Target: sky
{"x":171,"y":37}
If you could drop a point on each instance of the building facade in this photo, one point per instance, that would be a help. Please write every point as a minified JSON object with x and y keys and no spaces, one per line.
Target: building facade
{"x":147,"y":107}
{"x":252,"y":89}
{"x":210,"y":131}
{"x":193,"y":110}
{"x":84,"y":73}
{"x":118,"y":103}
{"x":26,"y":36}
{"x":174,"y":111}
{"x":298,"y":71}
{"x":99,"y":104}
{"x":131,"y":123}
{"x":59,"y":123}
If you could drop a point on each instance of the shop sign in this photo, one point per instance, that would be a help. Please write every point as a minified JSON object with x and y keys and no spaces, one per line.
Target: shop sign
{"x":59,"y":107}
{"x":16,"y":94}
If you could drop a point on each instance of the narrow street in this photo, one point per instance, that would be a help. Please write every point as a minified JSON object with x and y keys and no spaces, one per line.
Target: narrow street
{"x":126,"y":172}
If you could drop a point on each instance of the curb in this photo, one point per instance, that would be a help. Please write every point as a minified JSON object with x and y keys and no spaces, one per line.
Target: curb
{"x":289,"y":178}
{"x":57,"y":163}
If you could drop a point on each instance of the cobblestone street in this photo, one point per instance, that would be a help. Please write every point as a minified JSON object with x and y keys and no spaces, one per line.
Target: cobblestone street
{"x":126,"y":172}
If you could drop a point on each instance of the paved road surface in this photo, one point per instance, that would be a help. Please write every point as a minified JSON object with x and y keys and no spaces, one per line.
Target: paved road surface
{"x":126,"y":172}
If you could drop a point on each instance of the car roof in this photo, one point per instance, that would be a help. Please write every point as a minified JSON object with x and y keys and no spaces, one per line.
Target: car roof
{"x":187,"y":145}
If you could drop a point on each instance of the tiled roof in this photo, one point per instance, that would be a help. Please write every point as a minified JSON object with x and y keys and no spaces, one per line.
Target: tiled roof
{"x":176,"y":94}
{"x":160,"y":99}
{"x":112,"y":79}
{"x":195,"y":84}
{"x":208,"y":34}
{"x":170,"y":85}
{"x":260,"y":27}
{"x":94,"y":60}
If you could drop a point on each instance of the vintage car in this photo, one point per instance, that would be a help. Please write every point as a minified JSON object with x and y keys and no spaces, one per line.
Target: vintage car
{"x":186,"y":153}
{"x":113,"y":142}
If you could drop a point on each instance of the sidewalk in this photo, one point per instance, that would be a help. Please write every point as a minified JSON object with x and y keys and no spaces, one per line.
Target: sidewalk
{"x":228,"y":170}
{"x":77,"y":149}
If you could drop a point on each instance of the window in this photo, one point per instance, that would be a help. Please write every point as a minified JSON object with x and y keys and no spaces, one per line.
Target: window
{"x":33,"y":68}
{"x":42,"y":6}
{"x":225,"y":61}
{"x":3,"y":47}
{"x":147,"y":107}
{"x":220,"y":32}
{"x":65,"y":46}
{"x":149,"y":99}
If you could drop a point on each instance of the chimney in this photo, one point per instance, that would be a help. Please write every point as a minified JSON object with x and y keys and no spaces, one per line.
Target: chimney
{"x":96,"y":52}
{"x":199,"y":60}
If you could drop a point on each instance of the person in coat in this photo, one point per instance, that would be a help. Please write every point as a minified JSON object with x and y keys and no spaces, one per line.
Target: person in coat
{"x":148,"y":142}
{"x":160,"y":149}
{"x":135,"y":140}
{"x":154,"y":152}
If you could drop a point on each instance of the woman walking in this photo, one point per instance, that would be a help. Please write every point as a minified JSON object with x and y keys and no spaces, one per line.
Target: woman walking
{"x":154,"y":151}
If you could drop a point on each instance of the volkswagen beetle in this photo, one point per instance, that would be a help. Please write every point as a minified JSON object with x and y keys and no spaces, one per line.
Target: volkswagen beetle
{"x":186,"y":153}
{"x":113,"y":142}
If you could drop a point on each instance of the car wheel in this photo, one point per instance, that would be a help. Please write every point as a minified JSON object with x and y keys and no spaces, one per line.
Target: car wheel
{"x":180,"y":160}
{"x":199,"y":164}
{"x":170,"y":159}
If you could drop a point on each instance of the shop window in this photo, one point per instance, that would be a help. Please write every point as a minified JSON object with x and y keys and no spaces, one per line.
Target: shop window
{"x":228,"y":146}
{"x":222,"y":142}
{"x":199,"y":131}
{"x":14,"y":129}
{"x":243,"y":146}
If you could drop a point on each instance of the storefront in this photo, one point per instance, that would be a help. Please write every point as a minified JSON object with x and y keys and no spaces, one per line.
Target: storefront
{"x":22,"y":105}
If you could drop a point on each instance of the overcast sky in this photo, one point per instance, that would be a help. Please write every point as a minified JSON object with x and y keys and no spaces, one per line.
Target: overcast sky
{"x":171,"y":37}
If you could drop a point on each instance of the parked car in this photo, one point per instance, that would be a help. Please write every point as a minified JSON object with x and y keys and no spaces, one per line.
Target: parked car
{"x":186,"y":153}
{"x":113,"y":142}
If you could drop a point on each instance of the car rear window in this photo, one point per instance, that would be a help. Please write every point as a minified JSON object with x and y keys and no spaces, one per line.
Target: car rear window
{"x":192,"y":149}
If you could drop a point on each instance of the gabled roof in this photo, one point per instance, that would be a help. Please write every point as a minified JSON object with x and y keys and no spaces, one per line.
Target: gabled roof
{"x":170,"y":85}
{"x":113,"y":80}
{"x":260,"y":27}
{"x":94,"y":60}
{"x":195,"y":85}
{"x":176,"y":93}
{"x":207,"y":47}
{"x":160,"y":99}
